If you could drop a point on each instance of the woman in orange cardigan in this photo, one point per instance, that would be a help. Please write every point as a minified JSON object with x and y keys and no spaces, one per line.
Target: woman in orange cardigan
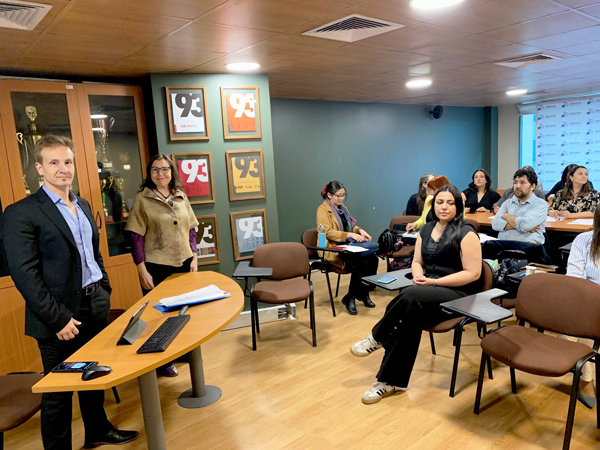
{"x":340,"y":225}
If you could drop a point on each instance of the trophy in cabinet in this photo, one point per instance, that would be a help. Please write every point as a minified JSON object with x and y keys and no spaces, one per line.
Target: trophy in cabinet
{"x":24,"y":153}
{"x":120,"y":185}
{"x":103,"y":128}
{"x":104,"y":186}
{"x":28,"y":141}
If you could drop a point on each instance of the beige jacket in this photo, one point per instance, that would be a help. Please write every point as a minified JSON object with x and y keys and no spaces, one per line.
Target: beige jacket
{"x":165,"y":228}
{"x":326,"y":218}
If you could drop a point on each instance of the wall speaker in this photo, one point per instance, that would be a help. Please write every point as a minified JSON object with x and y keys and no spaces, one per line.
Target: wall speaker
{"x":436,"y":112}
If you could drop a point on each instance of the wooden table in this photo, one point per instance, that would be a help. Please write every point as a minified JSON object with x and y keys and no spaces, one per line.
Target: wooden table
{"x":484,"y":219}
{"x":205,"y":321}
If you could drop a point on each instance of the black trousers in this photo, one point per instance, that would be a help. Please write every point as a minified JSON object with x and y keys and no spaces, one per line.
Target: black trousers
{"x":400,"y":328}
{"x":359,"y":266}
{"x":57,"y":407}
{"x":535,"y":252}
{"x":161,"y":272}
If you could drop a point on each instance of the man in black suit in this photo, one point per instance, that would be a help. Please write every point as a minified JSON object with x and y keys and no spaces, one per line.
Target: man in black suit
{"x":52,"y":246}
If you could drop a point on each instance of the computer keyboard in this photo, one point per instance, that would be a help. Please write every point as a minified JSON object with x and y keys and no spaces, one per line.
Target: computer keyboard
{"x":162,"y":338}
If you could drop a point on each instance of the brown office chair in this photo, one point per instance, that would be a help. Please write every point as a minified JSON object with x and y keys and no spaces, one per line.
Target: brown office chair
{"x":289,"y":261}
{"x":474,"y":224}
{"x":557,"y":303}
{"x":310,"y":238}
{"x":17,"y":403}
{"x":406,"y":250}
{"x":458,"y":324}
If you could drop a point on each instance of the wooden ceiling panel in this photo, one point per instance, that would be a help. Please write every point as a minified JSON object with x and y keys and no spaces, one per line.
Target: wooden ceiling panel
{"x":271,"y":15}
{"x":183,"y":9}
{"x":403,"y":8}
{"x":593,"y":11}
{"x":461,"y":46}
{"x":290,"y":47}
{"x":540,"y":28}
{"x":577,"y":3}
{"x":157,"y":59}
{"x":115,"y":22}
{"x":559,"y":40}
{"x":15,"y":42}
{"x":213,"y":38}
{"x":218,"y":64}
{"x":57,"y":66}
{"x":582,"y":49}
{"x":509,"y":51}
{"x":57,"y":7}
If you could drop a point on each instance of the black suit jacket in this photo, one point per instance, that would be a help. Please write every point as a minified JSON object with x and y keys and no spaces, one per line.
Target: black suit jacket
{"x":44,"y":262}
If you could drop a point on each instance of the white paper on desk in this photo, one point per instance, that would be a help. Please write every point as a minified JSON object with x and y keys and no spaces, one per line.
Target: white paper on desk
{"x":484,"y":237}
{"x":411,"y":234}
{"x":583,"y":222}
{"x":210,"y":292}
{"x":354,"y":249}
{"x":554,"y":219}
{"x":491,"y":217}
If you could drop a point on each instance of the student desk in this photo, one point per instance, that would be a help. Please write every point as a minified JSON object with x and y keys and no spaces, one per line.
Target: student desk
{"x":484,"y":219}
{"x":205,"y":321}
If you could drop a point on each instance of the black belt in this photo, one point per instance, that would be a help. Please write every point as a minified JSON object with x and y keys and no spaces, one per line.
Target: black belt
{"x":90,"y":288}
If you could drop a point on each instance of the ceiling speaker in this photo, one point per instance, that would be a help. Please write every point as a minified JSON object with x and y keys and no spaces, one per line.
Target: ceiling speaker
{"x":436,"y":112}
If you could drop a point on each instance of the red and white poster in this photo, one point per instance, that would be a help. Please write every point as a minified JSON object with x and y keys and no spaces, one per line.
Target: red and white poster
{"x":194,"y":176}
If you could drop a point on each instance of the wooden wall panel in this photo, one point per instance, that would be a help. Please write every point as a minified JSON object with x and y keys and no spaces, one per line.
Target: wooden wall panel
{"x":19,"y":352}
{"x":126,"y":286}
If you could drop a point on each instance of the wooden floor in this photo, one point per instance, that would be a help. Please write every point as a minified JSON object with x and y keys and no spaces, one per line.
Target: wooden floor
{"x":289,"y":395}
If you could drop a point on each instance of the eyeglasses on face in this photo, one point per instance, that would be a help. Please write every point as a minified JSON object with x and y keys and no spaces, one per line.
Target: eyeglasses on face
{"x":341,"y":196}
{"x":163,"y":170}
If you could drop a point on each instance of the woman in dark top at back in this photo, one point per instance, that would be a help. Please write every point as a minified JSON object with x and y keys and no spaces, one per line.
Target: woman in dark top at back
{"x":446,"y":266}
{"x":479,"y":196}
{"x":415,"y":204}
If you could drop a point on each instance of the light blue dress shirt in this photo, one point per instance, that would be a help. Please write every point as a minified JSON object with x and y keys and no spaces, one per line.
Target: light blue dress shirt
{"x":580,"y":264}
{"x":531,"y":213}
{"x":82,"y":234}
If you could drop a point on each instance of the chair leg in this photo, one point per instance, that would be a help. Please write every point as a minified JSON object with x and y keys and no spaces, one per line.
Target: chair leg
{"x":306,"y":300}
{"x":484,"y":358}
{"x":1,"y":440}
{"x":513,"y":380}
{"x":337,"y":288}
{"x":330,"y":294}
{"x":313,"y":324}
{"x":489,"y":366}
{"x":457,"y":342}
{"x":253,"y":319}
{"x":597,"y":364}
{"x":256,"y":317}
{"x":116,"y":394}
{"x":432,"y":343}
{"x":572,"y":405}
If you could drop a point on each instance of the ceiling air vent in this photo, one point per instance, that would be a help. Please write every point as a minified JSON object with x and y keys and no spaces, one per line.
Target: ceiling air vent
{"x":353,"y":28}
{"x":21,"y":15}
{"x":527,"y":60}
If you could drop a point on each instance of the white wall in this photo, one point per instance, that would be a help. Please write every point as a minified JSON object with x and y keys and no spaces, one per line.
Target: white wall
{"x":508,"y":144}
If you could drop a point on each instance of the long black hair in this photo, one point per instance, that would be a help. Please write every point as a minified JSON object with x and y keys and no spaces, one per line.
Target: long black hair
{"x":565,"y":174}
{"x":568,"y":193}
{"x":454,"y":228}
{"x":488,"y":180}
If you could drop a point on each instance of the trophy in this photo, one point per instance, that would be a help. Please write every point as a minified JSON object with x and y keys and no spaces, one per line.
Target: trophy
{"x":29,"y":140}
{"x":107,"y":217}
{"x":24,"y":160}
{"x":120,"y":184}
{"x":103,"y":128}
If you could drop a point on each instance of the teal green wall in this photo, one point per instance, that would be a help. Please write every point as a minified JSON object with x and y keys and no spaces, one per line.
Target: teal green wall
{"x":378,"y":151}
{"x":218,"y":146}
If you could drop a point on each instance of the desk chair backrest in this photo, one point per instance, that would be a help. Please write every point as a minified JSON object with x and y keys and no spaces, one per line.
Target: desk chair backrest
{"x":311,"y":238}
{"x":402,"y":219}
{"x":560,"y":303}
{"x":474,"y":224}
{"x":287,"y":259}
{"x":487,"y":276}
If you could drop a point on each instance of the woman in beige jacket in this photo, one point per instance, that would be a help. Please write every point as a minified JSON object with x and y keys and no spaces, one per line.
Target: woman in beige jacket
{"x":338,"y":223}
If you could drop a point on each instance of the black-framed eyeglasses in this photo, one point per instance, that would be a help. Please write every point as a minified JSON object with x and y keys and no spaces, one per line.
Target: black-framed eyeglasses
{"x":163,"y":170}
{"x":341,"y":196}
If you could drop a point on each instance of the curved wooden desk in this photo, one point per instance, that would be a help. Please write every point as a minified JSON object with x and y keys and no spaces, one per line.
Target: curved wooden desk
{"x":205,"y":321}
{"x":484,"y":219}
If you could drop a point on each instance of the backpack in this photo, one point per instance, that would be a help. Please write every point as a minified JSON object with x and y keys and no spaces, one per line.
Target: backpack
{"x":389,"y":241}
{"x":508,"y":266}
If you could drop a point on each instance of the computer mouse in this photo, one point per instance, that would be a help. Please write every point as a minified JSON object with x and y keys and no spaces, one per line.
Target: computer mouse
{"x":95,"y":372}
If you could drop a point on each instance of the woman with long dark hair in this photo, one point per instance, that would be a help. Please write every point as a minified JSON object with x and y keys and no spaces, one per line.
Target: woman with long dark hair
{"x":339,"y":227}
{"x":584,"y":262}
{"x":561,"y":183}
{"x":577,"y":200}
{"x":446,"y":266}
{"x":479,"y":196}
{"x":416,"y":202}
{"x":163,"y":229}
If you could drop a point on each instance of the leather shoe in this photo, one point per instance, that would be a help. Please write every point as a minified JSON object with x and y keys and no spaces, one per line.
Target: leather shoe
{"x":348,"y":302}
{"x":367,"y":301}
{"x":112,"y":437}
{"x":588,"y":402}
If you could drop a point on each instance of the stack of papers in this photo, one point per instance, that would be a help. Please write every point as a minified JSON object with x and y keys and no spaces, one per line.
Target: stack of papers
{"x":484,"y":237}
{"x":411,"y":234}
{"x":351,"y":248}
{"x":203,"y":295}
{"x":583,"y":222}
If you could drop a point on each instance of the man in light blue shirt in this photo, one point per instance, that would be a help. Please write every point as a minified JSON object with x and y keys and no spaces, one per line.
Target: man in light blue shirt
{"x":520,"y":221}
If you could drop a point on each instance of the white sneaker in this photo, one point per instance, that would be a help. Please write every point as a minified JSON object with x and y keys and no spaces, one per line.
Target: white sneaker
{"x":377,"y":392}
{"x":365,"y":347}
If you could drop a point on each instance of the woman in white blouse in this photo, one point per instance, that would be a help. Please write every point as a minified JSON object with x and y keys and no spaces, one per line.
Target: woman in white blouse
{"x":584,"y":262}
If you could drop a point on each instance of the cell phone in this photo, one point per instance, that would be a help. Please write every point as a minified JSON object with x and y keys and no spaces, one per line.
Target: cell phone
{"x":74,"y":366}
{"x":387,"y":279}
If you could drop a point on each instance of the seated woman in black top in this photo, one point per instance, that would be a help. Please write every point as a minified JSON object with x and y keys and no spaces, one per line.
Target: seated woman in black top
{"x":479,"y":196}
{"x":415,"y":204}
{"x":446,"y":266}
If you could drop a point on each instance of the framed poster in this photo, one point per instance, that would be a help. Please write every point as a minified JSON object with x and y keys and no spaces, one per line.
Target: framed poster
{"x":195,"y":171}
{"x":241,"y":112}
{"x":207,"y":239}
{"x":249,"y":231}
{"x":245,"y":174}
{"x":186,"y":110}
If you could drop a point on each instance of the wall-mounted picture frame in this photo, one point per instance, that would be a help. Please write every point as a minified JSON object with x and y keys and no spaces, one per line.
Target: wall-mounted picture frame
{"x":207,"y":239}
{"x":195,"y":171}
{"x":245,"y":174}
{"x":186,"y":111}
{"x":241,"y":112}
{"x":248,"y":231}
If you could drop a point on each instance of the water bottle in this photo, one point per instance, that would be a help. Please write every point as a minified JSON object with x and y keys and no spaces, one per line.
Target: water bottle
{"x":322,"y":242}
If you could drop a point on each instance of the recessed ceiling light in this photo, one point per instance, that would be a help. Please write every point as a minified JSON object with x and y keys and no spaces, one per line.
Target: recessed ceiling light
{"x":433,"y":4}
{"x":242,"y":66}
{"x":515,"y":92}
{"x":420,"y":83}
{"x":98,"y":116}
